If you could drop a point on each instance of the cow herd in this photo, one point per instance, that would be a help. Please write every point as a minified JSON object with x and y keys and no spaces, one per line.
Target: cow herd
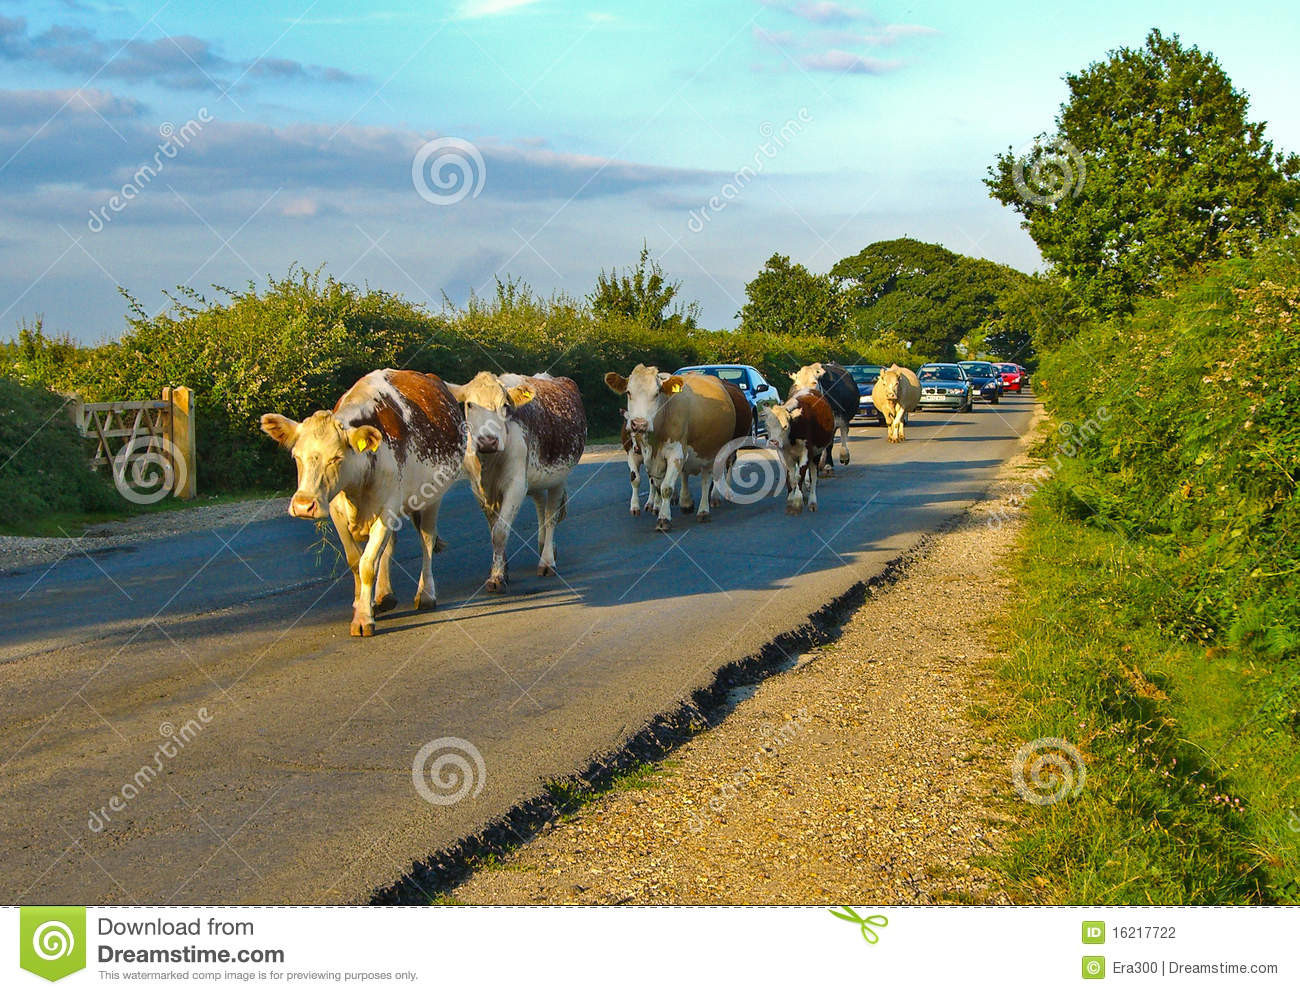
{"x":397,"y":440}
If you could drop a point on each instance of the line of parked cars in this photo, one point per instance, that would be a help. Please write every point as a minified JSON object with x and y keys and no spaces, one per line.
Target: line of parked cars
{"x":944,"y":386}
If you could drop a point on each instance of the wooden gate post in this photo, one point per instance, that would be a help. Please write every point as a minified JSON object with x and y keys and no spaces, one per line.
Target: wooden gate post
{"x":181,"y":434}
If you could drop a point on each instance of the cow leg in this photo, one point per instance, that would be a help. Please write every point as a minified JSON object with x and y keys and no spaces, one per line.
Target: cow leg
{"x":634,"y":471}
{"x":351,"y":551}
{"x":504,"y":521}
{"x":823,"y":463}
{"x":900,"y":433}
{"x":706,"y":497}
{"x":685,"y":502}
{"x":674,"y":461}
{"x":811,"y":500}
{"x":549,"y":512}
{"x":363,"y":616}
{"x":426,"y":524}
{"x":385,"y":600}
{"x":844,"y":444}
{"x":795,"y":467}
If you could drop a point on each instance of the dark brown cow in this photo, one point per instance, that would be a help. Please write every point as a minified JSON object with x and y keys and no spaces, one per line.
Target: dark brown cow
{"x":801,"y":429}
{"x":391,"y":448}
{"x":526,"y":435}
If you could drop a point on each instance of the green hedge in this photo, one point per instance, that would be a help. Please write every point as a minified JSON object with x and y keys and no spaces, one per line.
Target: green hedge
{"x":297,"y":345}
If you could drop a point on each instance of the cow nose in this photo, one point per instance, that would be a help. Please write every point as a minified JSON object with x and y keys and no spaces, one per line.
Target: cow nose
{"x":303,"y":506}
{"x":638,"y":425}
{"x":487,"y":443}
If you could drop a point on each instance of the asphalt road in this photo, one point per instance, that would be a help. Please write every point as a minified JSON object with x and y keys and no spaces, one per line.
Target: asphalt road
{"x":295,"y":784}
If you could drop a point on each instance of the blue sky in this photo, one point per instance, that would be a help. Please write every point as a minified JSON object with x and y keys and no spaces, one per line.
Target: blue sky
{"x":586,"y":129}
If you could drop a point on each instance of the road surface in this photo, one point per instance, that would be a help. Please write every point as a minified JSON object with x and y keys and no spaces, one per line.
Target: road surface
{"x":187,"y":721}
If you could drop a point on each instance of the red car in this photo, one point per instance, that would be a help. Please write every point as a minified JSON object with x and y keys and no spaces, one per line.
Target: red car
{"x":1010,"y":374}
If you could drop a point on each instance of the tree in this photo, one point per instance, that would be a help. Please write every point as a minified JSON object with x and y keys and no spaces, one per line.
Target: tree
{"x":1154,"y":167}
{"x":644,"y":294}
{"x":1032,"y":317}
{"x":922,"y":293}
{"x":787,"y":299}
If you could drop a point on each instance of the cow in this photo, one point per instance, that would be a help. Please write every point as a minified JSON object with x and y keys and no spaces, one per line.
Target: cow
{"x":392,"y":447}
{"x":635,"y":457}
{"x":682,"y":423}
{"x":526,"y":434}
{"x":800,"y":430}
{"x":841,"y":393}
{"x":897,"y":391}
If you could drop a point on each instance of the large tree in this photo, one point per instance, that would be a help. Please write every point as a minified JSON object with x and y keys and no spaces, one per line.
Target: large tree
{"x":1153,"y":167}
{"x":645,"y":294}
{"x":922,"y":293}
{"x":787,"y":299}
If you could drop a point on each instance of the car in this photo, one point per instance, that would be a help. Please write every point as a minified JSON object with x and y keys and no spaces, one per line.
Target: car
{"x":754,"y":385}
{"x":1010,"y":374}
{"x":985,"y":380}
{"x":1024,"y":376}
{"x":944,"y":385}
{"x":865,"y":376}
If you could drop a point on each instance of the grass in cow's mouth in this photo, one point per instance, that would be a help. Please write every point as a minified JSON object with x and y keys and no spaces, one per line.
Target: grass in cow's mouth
{"x":1192,"y":768}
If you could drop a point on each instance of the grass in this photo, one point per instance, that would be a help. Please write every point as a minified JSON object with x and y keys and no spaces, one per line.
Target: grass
{"x":73,"y":523}
{"x":1193,"y":763}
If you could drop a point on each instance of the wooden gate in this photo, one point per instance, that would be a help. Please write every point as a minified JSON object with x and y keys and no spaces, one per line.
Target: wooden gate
{"x":130,"y":435}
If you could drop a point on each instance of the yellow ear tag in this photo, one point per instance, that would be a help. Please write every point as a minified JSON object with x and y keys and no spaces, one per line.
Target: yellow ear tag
{"x":362,"y":445}
{"x":676,"y":388}
{"x":528,"y":394}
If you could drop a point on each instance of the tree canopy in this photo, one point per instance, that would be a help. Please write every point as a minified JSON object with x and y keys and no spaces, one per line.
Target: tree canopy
{"x":1154,"y":166}
{"x":787,"y":299}
{"x":643,"y":294}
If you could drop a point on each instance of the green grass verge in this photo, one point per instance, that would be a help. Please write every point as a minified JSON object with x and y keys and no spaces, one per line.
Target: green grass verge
{"x":73,"y":523}
{"x":1192,"y":791}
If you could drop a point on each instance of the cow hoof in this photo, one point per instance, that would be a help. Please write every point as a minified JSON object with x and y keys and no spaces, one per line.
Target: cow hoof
{"x":387,"y":603}
{"x":495,"y":585}
{"x":823,"y":473}
{"x":663,"y":525}
{"x":545,"y":570}
{"x":361,"y":628}
{"x":812,"y":505}
{"x":844,"y":459}
{"x":704,"y":516}
{"x":425,"y":603}
{"x":636,"y":512}
{"x":439,"y":544}
{"x":686,"y":509}
{"x":793,"y":509}
{"x":715,"y":501}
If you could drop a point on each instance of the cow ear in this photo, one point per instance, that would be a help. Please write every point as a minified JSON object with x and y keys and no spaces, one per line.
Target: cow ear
{"x":616,"y":383}
{"x":671,"y":386}
{"x":457,"y":391}
{"x":796,"y":413}
{"x":365,"y":438}
{"x":519,"y":396}
{"x":283,"y":430}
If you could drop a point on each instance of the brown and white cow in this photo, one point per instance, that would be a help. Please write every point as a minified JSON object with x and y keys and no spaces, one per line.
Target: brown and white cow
{"x":802,"y":429}
{"x":392,"y":447}
{"x":897,"y":392}
{"x":682,"y":423}
{"x":525,"y":436}
{"x":840,"y":391}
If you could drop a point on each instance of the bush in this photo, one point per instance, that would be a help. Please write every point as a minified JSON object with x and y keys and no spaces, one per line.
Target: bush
{"x":44,"y":462}
{"x":297,"y":345}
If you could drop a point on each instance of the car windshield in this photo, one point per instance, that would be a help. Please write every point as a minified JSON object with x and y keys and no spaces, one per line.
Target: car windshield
{"x":731,"y":374}
{"x":978,"y":369}
{"x":864,"y":374}
{"x":1008,"y":368}
{"x":940,"y":373}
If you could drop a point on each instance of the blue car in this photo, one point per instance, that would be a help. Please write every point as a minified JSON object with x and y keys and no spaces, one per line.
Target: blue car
{"x":944,"y":386}
{"x":865,"y":376}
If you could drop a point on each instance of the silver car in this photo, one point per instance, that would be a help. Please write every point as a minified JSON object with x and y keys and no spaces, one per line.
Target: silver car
{"x":944,"y":386}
